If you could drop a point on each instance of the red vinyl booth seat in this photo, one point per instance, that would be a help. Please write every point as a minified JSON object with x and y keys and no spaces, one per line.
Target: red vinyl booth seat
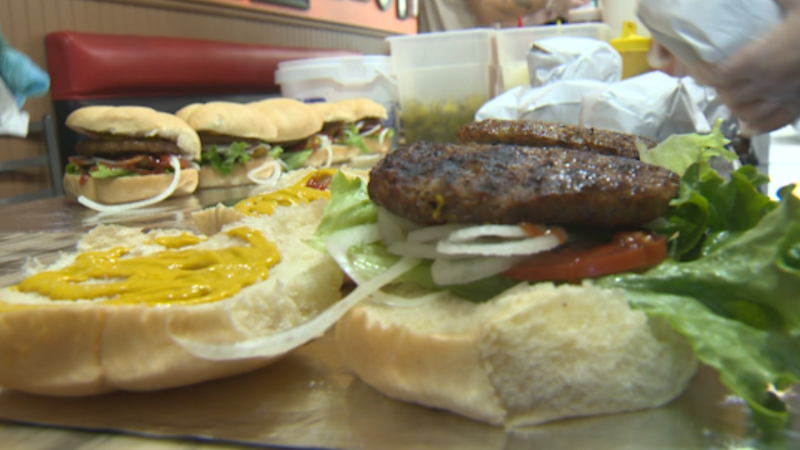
{"x":160,"y":72}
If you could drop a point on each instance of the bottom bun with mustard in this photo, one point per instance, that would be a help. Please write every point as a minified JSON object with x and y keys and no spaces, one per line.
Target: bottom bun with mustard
{"x":122,"y":312}
{"x":519,"y":285}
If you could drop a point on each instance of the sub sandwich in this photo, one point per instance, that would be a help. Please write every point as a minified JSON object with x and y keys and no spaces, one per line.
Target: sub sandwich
{"x":136,"y":156}
{"x":297,"y":126}
{"x":235,"y":149}
{"x":123,"y":312}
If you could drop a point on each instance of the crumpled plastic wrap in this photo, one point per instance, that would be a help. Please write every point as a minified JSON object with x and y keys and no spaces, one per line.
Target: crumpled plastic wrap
{"x":707,"y":30}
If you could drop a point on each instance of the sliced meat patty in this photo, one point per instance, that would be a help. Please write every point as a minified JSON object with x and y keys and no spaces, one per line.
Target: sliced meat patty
{"x":508,"y":184}
{"x":98,"y":147}
{"x":543,"y":134}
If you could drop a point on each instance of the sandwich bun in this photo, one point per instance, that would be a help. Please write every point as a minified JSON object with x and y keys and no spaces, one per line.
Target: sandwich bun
{"x":531,"y":355}
{"x":234,"y":120}
{"x":294,"y":120}
{"x":90,"y":347}
{"x":114,"y":191}
{"x":135,"y":122}
{"x":210,"y":178}
{"x":364,"y":108}
{"x":334,"y":112}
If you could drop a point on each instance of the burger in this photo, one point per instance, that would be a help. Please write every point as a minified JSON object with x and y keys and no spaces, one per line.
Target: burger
{"x":534,"y":272}
{"x":355,"y":129}
{"x":235,"y":149}
{"x":135,"y":156}
{"x":297,"y":125}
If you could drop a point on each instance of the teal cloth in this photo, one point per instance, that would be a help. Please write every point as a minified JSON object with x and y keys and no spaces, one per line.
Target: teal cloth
{"x":22,"y":76}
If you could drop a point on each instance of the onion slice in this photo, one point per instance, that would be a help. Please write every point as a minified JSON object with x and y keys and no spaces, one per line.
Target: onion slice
{"x":338,"y":243}
{"x":505,"y":248}
{"x":503,"y":231}
{"x":176,"y":176}
{"x":271,"y":180}
{"x":285,"y":341}
{"x":429,"y":234}
{"x":415,"y":250}
{"x":449,"y":272}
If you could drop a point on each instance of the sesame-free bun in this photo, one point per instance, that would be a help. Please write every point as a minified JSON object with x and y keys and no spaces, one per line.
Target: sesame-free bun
{"x":229,"y":119}
{"x":334,"y":112}
{"x":531,"y":355}
{"x":74,"y":348}
{"x":113,"y":191}
{"x":135,"y":122}
{"x":294,"y":120}
{"x":210,"y":178}
{"x":364,"y":108}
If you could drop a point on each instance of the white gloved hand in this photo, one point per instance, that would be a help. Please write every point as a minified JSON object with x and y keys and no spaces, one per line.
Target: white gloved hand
{"x":560,"y":8}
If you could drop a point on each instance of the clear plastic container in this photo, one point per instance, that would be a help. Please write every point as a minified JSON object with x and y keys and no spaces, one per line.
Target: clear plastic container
{"x":513,"y":45}
{"x":436,"y":101}
{"x":442,"y":80}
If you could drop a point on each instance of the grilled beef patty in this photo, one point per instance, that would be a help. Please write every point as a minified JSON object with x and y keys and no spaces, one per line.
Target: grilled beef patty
{"x":509,"y":184}
{"x":543,"y":134}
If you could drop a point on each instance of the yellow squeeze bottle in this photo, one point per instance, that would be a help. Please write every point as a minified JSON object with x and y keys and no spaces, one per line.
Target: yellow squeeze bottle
{"x":634,"y":49}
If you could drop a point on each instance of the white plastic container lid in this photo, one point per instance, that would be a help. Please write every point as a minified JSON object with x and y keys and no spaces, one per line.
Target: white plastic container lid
{"x":473,"y":46}
{"x":346,"y":70}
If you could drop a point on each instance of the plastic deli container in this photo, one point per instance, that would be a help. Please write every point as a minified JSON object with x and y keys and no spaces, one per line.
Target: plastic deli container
{"x":513,"y":45}
{"x":443,"y":79}
{"x":339,"y":78}
{"x":633,"y":49}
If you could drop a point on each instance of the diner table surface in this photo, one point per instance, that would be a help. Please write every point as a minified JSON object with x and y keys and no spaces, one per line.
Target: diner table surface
{"x":308,"y":399}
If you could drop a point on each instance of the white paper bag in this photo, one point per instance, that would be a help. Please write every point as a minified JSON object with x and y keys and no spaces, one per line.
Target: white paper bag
{"x":13,"y":121}
{"x":653,"y":105}
{"x":558,"y":102}
{"x":572,"y":58}
{"x":708,"y":30}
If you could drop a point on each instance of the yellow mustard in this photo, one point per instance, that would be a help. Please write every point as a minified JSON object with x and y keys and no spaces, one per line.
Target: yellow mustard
{"x":187,"y":276}
{"x":305,"y":191}
{"x":182,"y":240}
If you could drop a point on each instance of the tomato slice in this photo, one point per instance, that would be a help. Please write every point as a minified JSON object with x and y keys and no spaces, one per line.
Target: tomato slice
{"x":627,"y":251}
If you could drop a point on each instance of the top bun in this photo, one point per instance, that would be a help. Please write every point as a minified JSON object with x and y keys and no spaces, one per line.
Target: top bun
{"x":334,"y":112}
{"x":229,"y":119}
{"x":364,"y":108}
{"x":135,"y":122}
{"x":295,"y":120}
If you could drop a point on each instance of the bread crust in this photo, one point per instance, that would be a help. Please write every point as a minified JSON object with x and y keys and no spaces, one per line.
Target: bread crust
{"x":364,"y":108}
{"x":334,"y":112}
{"x":294,"y":120}
{"x":532,"y":355}
{"x":135,"y":122}
{"x":210,"y":178}
{"x":113,"y":191}
{"x":230,"y":119}
{"x":86,"y":348}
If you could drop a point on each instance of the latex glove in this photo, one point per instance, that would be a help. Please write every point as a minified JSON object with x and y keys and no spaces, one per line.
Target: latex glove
{"x":761,"y":83}
{"x":22,"y":76}
{"x":560,"y":8}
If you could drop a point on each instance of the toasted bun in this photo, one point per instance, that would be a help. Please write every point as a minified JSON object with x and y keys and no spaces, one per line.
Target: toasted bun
{"x":210,"y":178}
{"x":534,"y":354}
{"x":364,"y":108}
{"x":113,"y":191}
{"x":341,"y":154}
{"x":229,"y":119}
{"x":84,"y":348}
{"x":334,"y":112}
{"x":294,"y":120}
{"x":135,"y":122}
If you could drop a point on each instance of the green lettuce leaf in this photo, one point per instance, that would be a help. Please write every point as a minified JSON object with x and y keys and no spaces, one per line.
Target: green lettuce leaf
{"x":738,"y":306}
{"x":680,"y":151}
{"x":275,"y":152}
{"x":107,"y":172}
{"x":709,"y":209}
{"x":348,"y":207}
{"x":72,"y":169}
{"x":351,"y":137}
{"x":293,"y":160}
{"x":223,"y":162}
